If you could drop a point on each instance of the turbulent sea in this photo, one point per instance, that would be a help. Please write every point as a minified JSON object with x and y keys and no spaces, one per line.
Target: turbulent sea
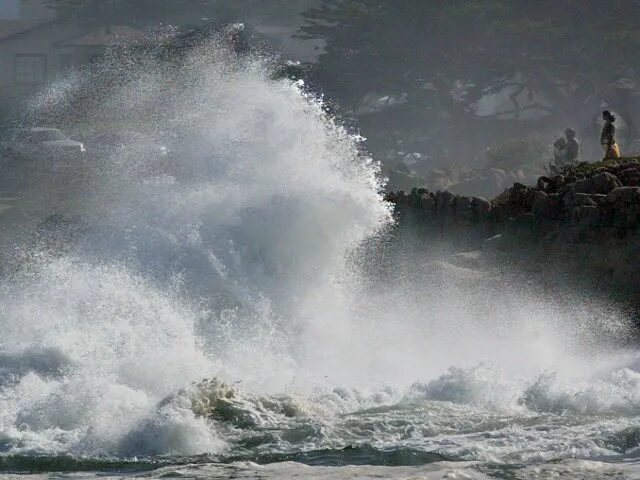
{"x":252,"y":312}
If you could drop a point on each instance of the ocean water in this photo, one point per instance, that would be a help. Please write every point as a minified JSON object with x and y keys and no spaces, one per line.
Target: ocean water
{"x":247,"y":309}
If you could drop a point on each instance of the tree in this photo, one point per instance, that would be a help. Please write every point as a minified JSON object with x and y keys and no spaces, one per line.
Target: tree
{"x":424,"y":49}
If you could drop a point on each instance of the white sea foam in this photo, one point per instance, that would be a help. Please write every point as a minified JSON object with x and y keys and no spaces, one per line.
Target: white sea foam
{"x":243,"y":260}
{"x":170,"y":282}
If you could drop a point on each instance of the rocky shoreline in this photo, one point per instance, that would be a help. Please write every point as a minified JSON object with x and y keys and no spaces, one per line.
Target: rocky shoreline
{"x":585,"y":222}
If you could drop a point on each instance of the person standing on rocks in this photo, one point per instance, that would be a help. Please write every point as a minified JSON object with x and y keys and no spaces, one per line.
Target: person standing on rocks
{"x":607,"y":139}
{"x":572,"y":150}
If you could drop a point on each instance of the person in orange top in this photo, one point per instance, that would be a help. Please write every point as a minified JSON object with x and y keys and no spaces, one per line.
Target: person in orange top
{"x":607,"y":139}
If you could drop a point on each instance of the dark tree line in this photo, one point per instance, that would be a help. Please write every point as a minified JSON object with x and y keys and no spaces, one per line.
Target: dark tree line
{"x":568,"y":51}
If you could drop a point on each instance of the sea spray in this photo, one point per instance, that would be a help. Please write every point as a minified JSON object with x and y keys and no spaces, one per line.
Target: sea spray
{"x":249,"y":256}
{"x":181,"y":271}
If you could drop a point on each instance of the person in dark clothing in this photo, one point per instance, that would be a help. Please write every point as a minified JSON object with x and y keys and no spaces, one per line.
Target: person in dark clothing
{"x":572,"y":150}
{"x":608,"y":137}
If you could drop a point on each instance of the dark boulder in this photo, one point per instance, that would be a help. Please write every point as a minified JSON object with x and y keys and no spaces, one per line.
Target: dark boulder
{"x":586,"y":216}
{"x":427,"y":202}
{"x":540,"y":202}
{"x":462,"y":208}
{"x":601,"y":183}
{"x":573,"y":199}
{"x":444,"y":203}
{"x":481,"y":208}
{"x":624,"y":195}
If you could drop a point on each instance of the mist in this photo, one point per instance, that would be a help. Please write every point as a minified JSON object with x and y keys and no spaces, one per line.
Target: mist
{"x":317,"y":239}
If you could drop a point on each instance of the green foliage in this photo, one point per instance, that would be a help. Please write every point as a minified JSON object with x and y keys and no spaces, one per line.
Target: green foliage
{"x":586,"y":169}
{"x":557,"y":54}
{"x":386,"y":44}
{"x":478,"y":40}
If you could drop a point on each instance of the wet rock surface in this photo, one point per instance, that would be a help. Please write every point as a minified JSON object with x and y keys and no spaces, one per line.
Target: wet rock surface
{"x":585,"y":221}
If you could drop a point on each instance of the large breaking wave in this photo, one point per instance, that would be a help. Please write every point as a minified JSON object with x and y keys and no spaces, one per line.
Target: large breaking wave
{"x":228,"y":262}
{"x":254,"y":256}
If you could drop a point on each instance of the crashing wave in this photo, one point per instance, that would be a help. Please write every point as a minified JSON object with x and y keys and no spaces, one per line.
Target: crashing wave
{"x":213,"y":399}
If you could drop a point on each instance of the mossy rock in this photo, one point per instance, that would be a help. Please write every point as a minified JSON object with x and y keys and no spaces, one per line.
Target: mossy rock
{"x":586,"y":169}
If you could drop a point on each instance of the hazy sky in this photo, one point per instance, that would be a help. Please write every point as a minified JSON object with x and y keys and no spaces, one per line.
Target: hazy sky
{"x":9,"y":9}
{"x":24,"y":10}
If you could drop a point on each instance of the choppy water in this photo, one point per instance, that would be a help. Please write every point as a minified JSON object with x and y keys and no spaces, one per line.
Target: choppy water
{"x":248,"y":312}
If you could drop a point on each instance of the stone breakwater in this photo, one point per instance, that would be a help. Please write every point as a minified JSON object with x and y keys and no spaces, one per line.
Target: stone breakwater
{"x":585,"y":221}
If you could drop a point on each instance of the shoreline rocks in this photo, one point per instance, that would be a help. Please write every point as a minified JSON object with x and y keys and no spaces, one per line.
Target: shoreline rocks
{"x":586,"y":221}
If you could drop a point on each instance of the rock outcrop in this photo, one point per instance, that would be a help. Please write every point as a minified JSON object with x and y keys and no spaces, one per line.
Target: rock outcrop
{"x":586,"y":220}
{"x":486,"y":182}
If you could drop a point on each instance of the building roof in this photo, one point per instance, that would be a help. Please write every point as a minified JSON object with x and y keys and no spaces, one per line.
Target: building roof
{"x":107,"y":36}
{"x":12,"y":28}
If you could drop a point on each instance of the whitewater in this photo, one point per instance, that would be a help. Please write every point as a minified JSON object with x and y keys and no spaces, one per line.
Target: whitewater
{"x":250,"y":310}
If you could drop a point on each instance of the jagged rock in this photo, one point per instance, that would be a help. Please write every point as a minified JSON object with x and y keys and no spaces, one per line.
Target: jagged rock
{"x":601,"y":183}
{"x":633,"y":215}
{"x":599,"y":198}
{"x":498,"y":213}
{"x":624,"y":203}
{"x":605,"y":182}
{"x":573,"y":199}
{"x":558,"y":198}
{"x":630,"y":176}
{"x":481,"y":208}
{"x":540,"y":202}
{"x":427,"y":202}
{"x":550,"y":184}
{"x":626,"y":166}
{"x":544,"y":184}
{"x":558,"y":182}
{"x":444,"y":202}
{"x":554,"y":206}
{"x":546,"y":205}
{"x":589,"y":218}
{"x":522,"y":195}
{"x":624,"y":195}
{"x":632,"y":180}
{"x":519,"y":200}
{"x":416,"y":194}
{"x":628,"y":171}
{"x":403,"y":197}
{"x":586,"y":215}
{"x":462,"y":208}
